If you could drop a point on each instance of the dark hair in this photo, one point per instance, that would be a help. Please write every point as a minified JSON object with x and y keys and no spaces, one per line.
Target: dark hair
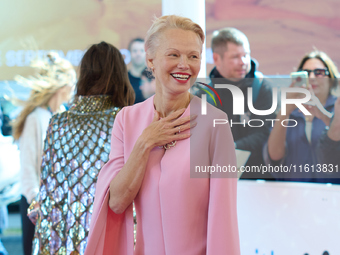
{"x":138,"y":39}
{"x":103,"y":72}
{"x":329,"y":64}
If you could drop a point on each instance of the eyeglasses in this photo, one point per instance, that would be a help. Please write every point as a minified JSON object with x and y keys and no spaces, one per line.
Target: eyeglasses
{"x":318,"y":72}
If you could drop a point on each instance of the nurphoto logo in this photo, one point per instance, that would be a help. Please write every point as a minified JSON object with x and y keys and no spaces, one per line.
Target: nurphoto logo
{"x":238,"y":104}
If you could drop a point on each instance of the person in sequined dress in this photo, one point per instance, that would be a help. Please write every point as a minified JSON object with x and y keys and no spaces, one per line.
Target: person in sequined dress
{"x":50,"y":87}
{"x":77,"y":145}
{"x":154,"y":148}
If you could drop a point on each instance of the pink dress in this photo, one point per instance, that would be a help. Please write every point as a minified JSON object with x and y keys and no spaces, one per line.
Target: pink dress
{"x":179,"y":212}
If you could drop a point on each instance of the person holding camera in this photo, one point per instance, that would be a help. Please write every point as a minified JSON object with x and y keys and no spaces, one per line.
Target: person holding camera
{"x":296,"y":145}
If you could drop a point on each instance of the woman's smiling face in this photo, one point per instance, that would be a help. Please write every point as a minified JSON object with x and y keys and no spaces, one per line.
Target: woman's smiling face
{"x":177,"y":60}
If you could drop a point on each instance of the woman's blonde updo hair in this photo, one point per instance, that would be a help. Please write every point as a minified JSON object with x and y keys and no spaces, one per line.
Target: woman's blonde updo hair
{"x":168,"y":22}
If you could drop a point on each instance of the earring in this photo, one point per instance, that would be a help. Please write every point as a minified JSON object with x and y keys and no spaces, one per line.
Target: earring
{"x":152,"y":69}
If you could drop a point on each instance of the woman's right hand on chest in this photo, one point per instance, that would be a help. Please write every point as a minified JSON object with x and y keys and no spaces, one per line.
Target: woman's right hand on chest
{"x":168,"y":129}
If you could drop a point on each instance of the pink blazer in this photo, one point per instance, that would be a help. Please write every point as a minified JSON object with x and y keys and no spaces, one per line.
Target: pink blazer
{"x":179,"y":211}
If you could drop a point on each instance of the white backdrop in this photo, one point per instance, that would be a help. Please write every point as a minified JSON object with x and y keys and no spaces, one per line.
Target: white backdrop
{"x":281,"y":218}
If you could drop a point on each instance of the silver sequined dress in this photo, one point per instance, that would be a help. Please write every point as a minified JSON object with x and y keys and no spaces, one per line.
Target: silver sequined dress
{"x":77,"y":145}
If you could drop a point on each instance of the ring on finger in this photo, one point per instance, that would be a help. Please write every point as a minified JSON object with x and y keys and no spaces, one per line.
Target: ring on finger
{"x":179,"y":130}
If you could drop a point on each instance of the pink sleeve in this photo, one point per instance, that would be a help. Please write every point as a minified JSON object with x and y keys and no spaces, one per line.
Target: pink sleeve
{"x":223,"y":236}
{"x":109,"y":232}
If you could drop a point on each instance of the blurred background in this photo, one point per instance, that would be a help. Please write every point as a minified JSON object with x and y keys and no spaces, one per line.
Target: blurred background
{"x":280,"y":32}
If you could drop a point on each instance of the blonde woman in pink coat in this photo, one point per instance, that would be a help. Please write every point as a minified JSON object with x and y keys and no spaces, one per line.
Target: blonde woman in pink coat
{"x":157,"y":150}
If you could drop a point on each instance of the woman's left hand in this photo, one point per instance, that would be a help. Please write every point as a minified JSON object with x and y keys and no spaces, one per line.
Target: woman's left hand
{"x":317,"y":110}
